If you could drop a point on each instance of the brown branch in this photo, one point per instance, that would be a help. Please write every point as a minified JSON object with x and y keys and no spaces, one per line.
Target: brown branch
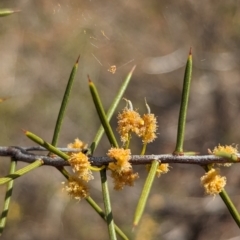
{"x":25,"y":154}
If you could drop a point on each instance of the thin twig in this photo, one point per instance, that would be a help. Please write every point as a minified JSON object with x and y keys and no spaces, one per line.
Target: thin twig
{"x":23,"y":154}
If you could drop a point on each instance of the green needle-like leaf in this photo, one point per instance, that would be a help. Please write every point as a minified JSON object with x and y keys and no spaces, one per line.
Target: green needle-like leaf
{"x":7,"y":199}
{"x":145,"y":193}
{"x":232,"y":209}
{"x":21,"y":171}
{"x":62,"y":112}
{"x":46,"y":145}
{"x":101,"y":114}
{"x":107,"y":205}
{"x":64,"y":104}
{"x":112,"y":109}
{"x":5,"y":12}
{"x":184,"y":105}
{"x":230,"y":156}
{"x":144,"y":149}
{"x":103,"y":216}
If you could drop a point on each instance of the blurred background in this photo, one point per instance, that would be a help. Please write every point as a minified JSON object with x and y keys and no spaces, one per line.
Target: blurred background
{"x":39,"y":47}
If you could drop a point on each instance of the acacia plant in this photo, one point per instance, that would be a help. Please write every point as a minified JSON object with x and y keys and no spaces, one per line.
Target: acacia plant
{"x":118,"y":160}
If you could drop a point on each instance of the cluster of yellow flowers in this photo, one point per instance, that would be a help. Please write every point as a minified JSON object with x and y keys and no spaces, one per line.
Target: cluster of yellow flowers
{"x":122,"y":157}
{"x":78,"y":144}
{"x":212,"y":181}
{"x":148,"y":131}
{"x":162,"y":169}
{"x":130,"y":121}
{"x":122,"y":172}
{"x":76,"y":186}
{"x":228,"y":149}
{"x":80,"y":165}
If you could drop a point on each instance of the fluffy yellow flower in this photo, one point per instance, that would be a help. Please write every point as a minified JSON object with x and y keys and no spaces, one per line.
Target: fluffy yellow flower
{"x":122,"y":157}
{"x":129,"y":121}
{"x":213,"y":182}
{"x":123,"y":178}
{"x":80,"y":165}
{"x":162,"y":169}
{"x":227,"y":149}
{"x":77,"y":144}
{"x":122,"y":172}
{"x":148,"y":130}
{"x":76,"y":188}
